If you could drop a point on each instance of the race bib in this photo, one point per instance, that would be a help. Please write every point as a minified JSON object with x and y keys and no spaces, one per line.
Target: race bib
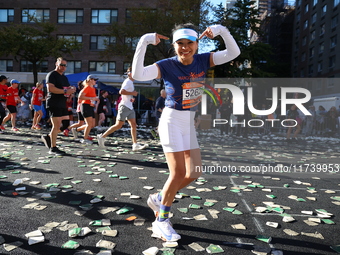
{"x":192,"y":94}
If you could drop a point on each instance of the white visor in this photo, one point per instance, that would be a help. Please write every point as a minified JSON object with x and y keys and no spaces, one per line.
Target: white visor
{"x":185,"y":33}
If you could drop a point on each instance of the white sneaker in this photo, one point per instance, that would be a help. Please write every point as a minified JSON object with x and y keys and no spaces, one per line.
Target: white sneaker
{"x":86,"y":141}
{"x":101,"y":140}
{"x":154,"y":203}
{"x":75,"y":133}
{"x":138,"y":146}
{"x":164,"y":231}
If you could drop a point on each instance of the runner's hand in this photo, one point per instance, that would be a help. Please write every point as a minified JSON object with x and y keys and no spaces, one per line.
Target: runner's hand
{"x":159,"y":37}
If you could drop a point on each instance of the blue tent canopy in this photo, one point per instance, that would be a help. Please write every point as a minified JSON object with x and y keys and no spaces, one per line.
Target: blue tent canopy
{"x":112,"y":90}
{"x":76,"y":77}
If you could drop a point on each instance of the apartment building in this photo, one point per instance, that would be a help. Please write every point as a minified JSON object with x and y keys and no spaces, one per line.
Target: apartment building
{"x":85,"y":20}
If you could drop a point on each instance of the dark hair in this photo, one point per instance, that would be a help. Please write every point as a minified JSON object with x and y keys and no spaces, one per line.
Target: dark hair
{"x":80,"y":85}
{"x":186,"y":25}
{"x":102,"y":92}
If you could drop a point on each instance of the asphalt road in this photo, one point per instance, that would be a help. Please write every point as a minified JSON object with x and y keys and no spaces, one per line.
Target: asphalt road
{"x":302,"y":176}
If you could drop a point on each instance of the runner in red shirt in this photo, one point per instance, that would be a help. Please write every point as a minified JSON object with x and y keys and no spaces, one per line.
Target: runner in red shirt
{"x":3,"y":98}
{"x":12,"y":101}
{"x":36,"y":105}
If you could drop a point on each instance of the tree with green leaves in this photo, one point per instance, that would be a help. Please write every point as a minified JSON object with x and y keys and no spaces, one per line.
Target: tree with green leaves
{"x":161,"y":19}
{"x":34,"y":42}
{"x":243,"y":22}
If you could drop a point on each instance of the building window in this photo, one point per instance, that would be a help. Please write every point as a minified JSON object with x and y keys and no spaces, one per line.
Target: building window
{"x":334,"y":21}
{"x":324,"y":10}
{"x":333,"y":41}
{"x":320,"y":67}
{"x":297,"y":32}
{"x":305,"y":24}
{"x":311,"y":52}
{"x":321,"y":47}
{"x":298,"y":2}
{"x":73,"y":67}
{"x":312,"y":35}
{"x":6,"y":65}
{"x":315,"y":2}
{"x":100,"y":42}
{"x":298,"y":16}
{"x":332,"y":62}
{"x":306,"y":8}
{"x":313,"y":18}
{"x":6,"y":15}
{"x":310,"y":69}
{"x":304,"y":41}
{"x":102,"y":67}
{"x":336,"y":2}
{"x":131,"y":42}
{"x":26,"y":66}
{"x":322,"y":29}
{"x":40,"y":15}
{"x":302,"y":73}
{"x":70,"y":16}
{"x":303,"y":57}
{"x":104,"y":16}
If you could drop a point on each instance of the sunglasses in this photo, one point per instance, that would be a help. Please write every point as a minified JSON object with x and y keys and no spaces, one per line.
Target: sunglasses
{"x":63,"y":65}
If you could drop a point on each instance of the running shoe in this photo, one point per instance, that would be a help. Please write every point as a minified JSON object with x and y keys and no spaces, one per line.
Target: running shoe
{"x":101,"y":140}
{"x":90,"y":138}
{"x":37,"y":127}
{"x":56,"y":151}
{"x":86,"y":141}
{"x":47,"y":140}
{"x":154,"y":203}
{"x":2,"y":127}
{"x":164,"y":231}
{"x":33,"y":127}
{"x":66,"y":131}
{"x":75,"y":133}
{"x":15,"y":129}
{"x":138,"y":146}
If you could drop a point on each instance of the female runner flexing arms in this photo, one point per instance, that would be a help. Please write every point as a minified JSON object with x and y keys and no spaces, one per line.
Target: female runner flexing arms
{"x":176,"y":128}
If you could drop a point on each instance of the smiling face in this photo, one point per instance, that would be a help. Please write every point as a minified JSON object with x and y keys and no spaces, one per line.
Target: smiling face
{"x":185,"y":50}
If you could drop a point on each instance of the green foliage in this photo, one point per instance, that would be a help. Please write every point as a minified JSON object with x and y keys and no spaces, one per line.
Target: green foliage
{"x":160,"y":20}
{"x":255,"y":56}
{"x":34,"y":42}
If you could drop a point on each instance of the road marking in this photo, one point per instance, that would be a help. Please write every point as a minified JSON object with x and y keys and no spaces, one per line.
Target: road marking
{"x":258,"y":225}
{"x":245,"y":203}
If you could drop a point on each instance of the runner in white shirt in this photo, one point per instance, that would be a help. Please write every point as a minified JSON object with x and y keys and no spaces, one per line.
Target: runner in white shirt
{"x":125,"y":112}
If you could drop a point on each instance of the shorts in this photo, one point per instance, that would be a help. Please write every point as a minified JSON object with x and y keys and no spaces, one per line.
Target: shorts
{"x":37,"y":108}
{"x":12,"y":108}
{"x":87,"y":110}
{"x":80,"y":116}
{"x":125,"y":113}
{"x":177,"y":130}
{"x":57,"y":112}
